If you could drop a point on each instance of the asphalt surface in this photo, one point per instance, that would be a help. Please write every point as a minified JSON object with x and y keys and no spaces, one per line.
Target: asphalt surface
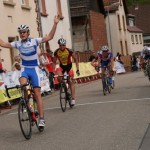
{"x":117,"y":121}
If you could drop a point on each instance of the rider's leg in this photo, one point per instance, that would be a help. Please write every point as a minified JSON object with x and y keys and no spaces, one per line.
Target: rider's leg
{"x":23,"y":81}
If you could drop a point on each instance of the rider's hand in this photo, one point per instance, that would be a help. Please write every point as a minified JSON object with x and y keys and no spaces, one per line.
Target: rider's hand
{"x":78,"y":72}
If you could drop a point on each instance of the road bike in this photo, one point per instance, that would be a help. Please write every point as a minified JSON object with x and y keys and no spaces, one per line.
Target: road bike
{"x":106,"y":81}
{"x":28,"y":114}
{"x":65,"y":96}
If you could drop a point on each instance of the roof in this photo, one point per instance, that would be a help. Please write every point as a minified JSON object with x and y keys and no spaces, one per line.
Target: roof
{"x":142,"y":15}
{"x":134,"y":29}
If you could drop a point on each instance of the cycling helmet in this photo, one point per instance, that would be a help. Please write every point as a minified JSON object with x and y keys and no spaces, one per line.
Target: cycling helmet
{"x":145,"y":48}
{"x":62,"y":41}
{"x":105,"y":48}
{"x":23,"y":28}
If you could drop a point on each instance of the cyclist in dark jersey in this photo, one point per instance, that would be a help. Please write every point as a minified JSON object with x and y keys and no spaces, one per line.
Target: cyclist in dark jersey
{"x":65,"y":56}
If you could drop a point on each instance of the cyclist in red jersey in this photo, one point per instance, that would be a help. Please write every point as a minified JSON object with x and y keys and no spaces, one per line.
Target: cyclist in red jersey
{"x":65,"y":56}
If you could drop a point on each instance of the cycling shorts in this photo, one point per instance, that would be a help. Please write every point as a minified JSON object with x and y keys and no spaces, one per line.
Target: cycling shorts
{"x":33,"y":75}
{"x":104,"y":63}
{"x":67,"y":68}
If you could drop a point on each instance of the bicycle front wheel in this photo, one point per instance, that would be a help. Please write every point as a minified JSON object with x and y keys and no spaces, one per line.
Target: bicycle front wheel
{"x":104,"y":84}
{"x":69,"y":98}
{"x":24,"y":119}
{"x":35,"y":116}
{"x":63,"y":94}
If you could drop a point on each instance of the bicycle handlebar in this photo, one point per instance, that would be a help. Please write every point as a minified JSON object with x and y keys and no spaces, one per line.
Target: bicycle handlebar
{"x":17,"y":86}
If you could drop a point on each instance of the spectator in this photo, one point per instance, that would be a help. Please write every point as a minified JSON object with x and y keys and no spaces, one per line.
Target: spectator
{"x":49,"y":65}
{"x":16,"y":64}
{"x":119,"y":64}
{"x":134,"y":63}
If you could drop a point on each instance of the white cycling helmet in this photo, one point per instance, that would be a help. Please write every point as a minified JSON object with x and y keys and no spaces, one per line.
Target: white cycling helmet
{"x":105,"y":48}
{"x":62,"y":41}
{"x":23,"y":28}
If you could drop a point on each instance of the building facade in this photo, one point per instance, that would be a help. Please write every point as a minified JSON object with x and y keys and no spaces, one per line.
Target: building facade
{"x":13,"y":14}
{"x":48,"y":10}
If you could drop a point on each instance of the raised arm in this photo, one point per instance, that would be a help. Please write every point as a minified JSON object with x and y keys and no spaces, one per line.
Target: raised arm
{"x":53,"y":30}
{"x":4,"y":44}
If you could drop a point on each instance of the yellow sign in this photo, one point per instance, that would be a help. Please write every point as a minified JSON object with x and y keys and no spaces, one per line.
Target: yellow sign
{"x":86,"y":70}
{"x":14,"y":93}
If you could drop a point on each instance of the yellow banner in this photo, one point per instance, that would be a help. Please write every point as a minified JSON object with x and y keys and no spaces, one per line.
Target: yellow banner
{"x":14,"y":93}
{"x":86,"y":69}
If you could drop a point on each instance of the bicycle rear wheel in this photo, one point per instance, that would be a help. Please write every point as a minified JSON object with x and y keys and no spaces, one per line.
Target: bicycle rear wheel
{"x":113,"y":83}
{"x":63,"y":94}
{"x":24,"y":117}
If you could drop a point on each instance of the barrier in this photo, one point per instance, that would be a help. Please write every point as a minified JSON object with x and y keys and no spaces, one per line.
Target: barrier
{"x":11,"y":79}
{"x":87,"y":72}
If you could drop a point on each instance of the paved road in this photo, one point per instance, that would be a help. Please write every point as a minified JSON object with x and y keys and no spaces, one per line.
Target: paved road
{"x":118,"y":121}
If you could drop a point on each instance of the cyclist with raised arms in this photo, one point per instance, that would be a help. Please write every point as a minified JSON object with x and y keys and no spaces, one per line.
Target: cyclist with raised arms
{"x":65,"y":55}
{"x":105,"y":58}
{"x":29,"y":61}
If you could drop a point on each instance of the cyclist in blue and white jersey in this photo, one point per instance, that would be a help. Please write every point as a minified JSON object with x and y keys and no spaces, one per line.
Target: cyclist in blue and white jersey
{"x":29,"y":60}
{"x":105,"y":58}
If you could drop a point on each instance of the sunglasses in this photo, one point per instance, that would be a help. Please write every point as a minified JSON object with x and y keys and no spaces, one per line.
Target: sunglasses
{"x":62,"y":45}
{"x":22,"y":32}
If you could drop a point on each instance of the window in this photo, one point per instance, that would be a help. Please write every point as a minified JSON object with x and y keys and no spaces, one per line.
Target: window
{"x":124,"y":27}
{"x":10,"y":20}
{"x":42,"y":8}
{"x":121,"y":45}
{"x":58,"y":2}
{"x":126,"y":45}
{"x":132,"y":39}
{"x":136,"y":39}
{"x":9,"y":2}
{"x":119,"y":22}
{"x":131,"y":22}
{"x":140,"y":39}
{"x":25,"y":4}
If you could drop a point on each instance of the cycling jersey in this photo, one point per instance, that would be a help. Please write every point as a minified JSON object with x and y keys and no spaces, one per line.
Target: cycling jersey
{"x":29,"y":59}
{"x":28,"y":51}
{"x":105,"y":58}
{"x":64,"y":56}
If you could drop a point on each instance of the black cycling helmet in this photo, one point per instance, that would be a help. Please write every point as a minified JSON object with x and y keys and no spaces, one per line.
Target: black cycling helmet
{"x":62,"y":41}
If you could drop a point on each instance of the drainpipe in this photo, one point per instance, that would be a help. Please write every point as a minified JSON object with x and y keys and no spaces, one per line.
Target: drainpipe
{"x":39,"y":22}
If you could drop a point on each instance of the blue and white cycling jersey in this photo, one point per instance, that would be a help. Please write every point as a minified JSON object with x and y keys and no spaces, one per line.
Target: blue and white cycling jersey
{"x":28,"y":51}
{"x":29,"y":59}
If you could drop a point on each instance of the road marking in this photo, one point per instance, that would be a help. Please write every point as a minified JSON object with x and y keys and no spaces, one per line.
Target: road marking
{"x":116,"y":101}
{"x":104,"y":102}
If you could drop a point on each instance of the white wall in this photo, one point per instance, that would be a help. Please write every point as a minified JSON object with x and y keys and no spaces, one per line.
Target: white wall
{"x":9,"y":29}
{"x":63,"y":28}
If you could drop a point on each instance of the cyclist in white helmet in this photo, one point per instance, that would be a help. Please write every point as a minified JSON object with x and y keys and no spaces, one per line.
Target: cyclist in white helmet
{"x":65,"y":55}
{"x":106,"y":60}
{"x":29,"y":60}
{"x":145,"y":56}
